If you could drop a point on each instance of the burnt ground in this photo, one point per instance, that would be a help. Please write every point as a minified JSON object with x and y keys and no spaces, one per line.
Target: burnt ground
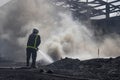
{"x":101,"y":69}
{"x":32,"y":74}
{"x":67,"y":69}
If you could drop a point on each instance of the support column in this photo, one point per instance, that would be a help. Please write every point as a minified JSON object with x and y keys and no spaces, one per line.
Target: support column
{"x":107,"y":17}
{"x":107,"y":11}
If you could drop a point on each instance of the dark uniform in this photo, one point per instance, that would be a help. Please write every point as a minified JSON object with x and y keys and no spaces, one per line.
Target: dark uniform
{"x":34,"y":41}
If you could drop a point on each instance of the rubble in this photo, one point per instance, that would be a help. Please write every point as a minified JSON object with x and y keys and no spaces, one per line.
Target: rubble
{"x":67,"y":69}
{"x":102,"y":69}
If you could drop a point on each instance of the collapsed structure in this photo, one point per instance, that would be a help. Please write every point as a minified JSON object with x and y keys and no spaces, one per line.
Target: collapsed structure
{"x":92,"y":69}
{"x":103,"y":14}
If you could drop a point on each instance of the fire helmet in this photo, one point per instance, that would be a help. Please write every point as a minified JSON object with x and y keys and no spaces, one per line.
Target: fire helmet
{"x":35,"y":31}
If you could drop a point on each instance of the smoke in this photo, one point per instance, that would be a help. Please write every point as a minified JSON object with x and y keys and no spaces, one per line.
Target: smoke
{"x":72,"y":39}
{"x":20,"y":17}
{"x":110,"y":45}
{"x":61,"y":35}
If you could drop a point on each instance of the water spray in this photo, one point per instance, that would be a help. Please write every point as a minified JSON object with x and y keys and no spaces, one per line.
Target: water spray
{"x":48,"y":58}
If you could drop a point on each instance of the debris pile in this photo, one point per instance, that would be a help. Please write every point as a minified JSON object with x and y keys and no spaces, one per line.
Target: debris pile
{"x":67,"y":69}
{"x":102,"y":69}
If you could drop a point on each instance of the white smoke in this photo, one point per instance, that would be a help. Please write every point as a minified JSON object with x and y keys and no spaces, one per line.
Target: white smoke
{"x":72,"y":39}
{"x":61,"y":35}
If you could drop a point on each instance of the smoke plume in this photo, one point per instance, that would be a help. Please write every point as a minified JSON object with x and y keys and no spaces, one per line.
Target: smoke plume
{"x":61,"y":35}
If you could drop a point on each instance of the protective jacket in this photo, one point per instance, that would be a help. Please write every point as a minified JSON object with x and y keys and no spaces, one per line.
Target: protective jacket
{"x":34,"y":41}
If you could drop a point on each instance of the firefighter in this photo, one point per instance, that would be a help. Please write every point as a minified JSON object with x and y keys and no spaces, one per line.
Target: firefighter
{"x":34,"y":41}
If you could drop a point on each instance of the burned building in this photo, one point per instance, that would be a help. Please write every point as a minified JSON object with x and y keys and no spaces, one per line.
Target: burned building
{"x":102,"y":14}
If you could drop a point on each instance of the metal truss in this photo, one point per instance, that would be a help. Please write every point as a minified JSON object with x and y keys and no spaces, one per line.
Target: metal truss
{"x":92,"y":8}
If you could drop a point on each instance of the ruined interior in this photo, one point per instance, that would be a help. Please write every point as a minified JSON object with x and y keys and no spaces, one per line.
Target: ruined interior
{"x":81,"y":39}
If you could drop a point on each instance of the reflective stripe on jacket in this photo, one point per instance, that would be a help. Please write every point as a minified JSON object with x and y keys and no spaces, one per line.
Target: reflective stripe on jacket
{"x":33,"y":41}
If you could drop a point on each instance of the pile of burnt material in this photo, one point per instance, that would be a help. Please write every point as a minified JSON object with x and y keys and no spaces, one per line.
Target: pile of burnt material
{"x":102,"y":69}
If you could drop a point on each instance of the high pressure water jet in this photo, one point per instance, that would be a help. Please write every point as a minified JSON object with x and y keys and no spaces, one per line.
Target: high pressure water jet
{"x":48,"y":58}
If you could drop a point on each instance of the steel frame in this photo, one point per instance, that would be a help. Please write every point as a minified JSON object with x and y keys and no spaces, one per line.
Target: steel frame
{"x":93,"y":8}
